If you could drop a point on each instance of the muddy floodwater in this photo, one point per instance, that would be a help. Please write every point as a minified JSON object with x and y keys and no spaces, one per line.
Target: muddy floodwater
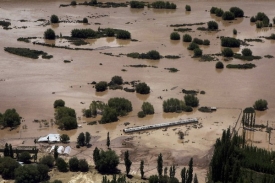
{"x":32,"y":85}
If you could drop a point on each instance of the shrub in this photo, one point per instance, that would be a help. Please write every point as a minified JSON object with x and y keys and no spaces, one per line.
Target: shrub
{"x":123,"y":34}
{"x":260,"y":105}
{"x":61,"y":164}
{"x":213,"y":10}
{"x":83,"y":165}
{"x":197,"y":52}
{"x":73,"y":164}
{"x":68,"y":123}
{"x":230,"y":42}
{"x":187,"y":38}
{"x":7,"y":167}
{"x":238,"y":12}
{"x":25,"y":157}
{"x":47,"y":160}
{"x":191,"y":100}
{"x":153,"y":54}
{"x":212,"y":25}
{"x":109,"y":115}
{"x":246,"y":52}
{"x":136,"y":4}
{"x":85,"y":20}
{"x":142,"y":88}
{"x":219,"y":65}
{"x":54,"y":19}
{"x":110,"y":32}
{"x":117,"y":80}
{"x":206,"y":42}
{"x":174,"y":105}
{"x":106,"y":161}
{"x":59,"y":103}
{"x":252,"y":19}
{"x":259,"y":25}
{"x":49,"y":34}
{"x":175,"y":36}
{"x":219,"y":12}
{"x":73,"y":3}
{"x":31,"y":173}
{"x":141,"y":114}
{"x":188,"y":8}
{"x":228,"y":16}
{"x":163,"y":5}
{"x":10,"y":118}
{"x":235,"y":32}
{"x":193,"y":46}
{"x":198,"y":41}
{"x":266,"y":22}
{"x":101,"y":86}
{"x":227,"y":52}
{"x":260,"y":16}
{"x":64,"y":138}
{"x":272,"y":36}
{"x":83,"y":33}
{"x":147,"y":108}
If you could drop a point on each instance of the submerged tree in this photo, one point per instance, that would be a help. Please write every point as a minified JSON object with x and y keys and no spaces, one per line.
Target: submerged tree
{"x":127,"y":162}
{"x":160,"y":164}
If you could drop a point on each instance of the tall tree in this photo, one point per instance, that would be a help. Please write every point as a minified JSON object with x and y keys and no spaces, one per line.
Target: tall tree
{"x":96,"y":156}
{"x":172,"y":171}
{"x":87,"y":138}
{"x":127,"y":162}
{"x":108,"y":140}
{"x":190,"y":171}
{"x":55,"y":153}
{"x":11,"y":151}
{"x":196,"y":179}
{"x":81,"y":139}
{"x":6,"y":150}
{"x":141,"y":168}
{"x":183,"y":175}
{"x":160,"y":164}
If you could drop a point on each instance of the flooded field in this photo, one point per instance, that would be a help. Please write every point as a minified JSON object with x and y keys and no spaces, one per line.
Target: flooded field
{"x":32,"y":85}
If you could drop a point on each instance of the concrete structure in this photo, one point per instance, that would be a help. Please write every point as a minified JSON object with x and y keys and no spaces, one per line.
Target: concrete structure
{"x":50,"y":138}
{"x":160,"y":125}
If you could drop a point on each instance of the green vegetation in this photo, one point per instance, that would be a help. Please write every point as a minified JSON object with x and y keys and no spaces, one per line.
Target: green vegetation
{"x":189,"y":24}
{"x":163,"y":5}
{"x":54,"y":19}
{"x":73,"y":164}
{"x":248,"y":58}
{"x":260,"y":105}
{"x":252,"y":19}
{"x":228,"y":16}
{"x":147,"y":108}
{"x":192,"y":46}
{"x":117,"y":80}
{"x":83,"y":33}
{"x":105,"y":161}
{"x":49,"y":34}
{"x":4,"y":24}
{"x":206,"y":42}
{"x":172,"y":69}
{"x":213,"y":10}
{"x":197,"y":52}
{"x":59,"y":103}
{"x":7,"y":167}
{"x":127,"y":162}
{"x":26,"y":52}
{"x":235,"y":32}
{"x":121,"y":105}
{"x":198,"y":41}
{"x":186,"y":38}
{"x":188,"y":8}
{"x":84,"y":139}
{"x":64,"y":138}
{"x":10,"y":118}
{"x":136,"y":4}
{"x":61,"y":164}
{"x":219,"y":65}
{"x":25,"y":157}
{"x":65,"y":118}
{"x":193,"y":92}
{"x":85,"y":20}
{"x":183,"y":29}
{"x":73,"y":3}
{"x":269,"y":56}
{"x":259,"y":25}
{"x":230,"y":42}
{"x":208,"y":58}
{"x":272,"y":36}
{"x":241,"y":66}
{"x":175,"y":105}
{"x":238,"y":12}
{"x":246,"y":52}
{"x":123,"y":34}
{"x":175,"y":36}
{"x":152,"y":55}
{"x":263,"y":20}
{"x":205,"y":109}
{"x":171,"y":57}
{"x":47,"y":160}
{"x":142,"y":88}
{"x":101,"y":86}
{"x":227,"y":52}
{"x":109,"y":115}
{"x":109,"y":32}
{"x":219,"y":12}
{"x":212,"y":25}
{"x":141,"y":114}
{"x":31,"y":173}
{"x":191,"y":100}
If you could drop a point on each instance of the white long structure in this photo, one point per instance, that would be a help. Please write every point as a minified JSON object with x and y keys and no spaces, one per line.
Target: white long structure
{"x":161,"y":125}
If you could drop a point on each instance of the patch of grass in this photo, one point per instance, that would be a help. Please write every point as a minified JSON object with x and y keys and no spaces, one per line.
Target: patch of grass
{"x":269,"y":56}
{"x":183,"y":25}
{"x":172,"y":69}
{"x":208,"y":58}
{"x":171,"y":56}
{"x":26,"y":52}
{"x":183,"y":29}
{"x":248,"y":58}
{"x":92,"y":123}
{"x":241,"y":66}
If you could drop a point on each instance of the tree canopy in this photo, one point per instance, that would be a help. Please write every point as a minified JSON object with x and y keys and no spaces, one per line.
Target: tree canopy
{"x":10,"y":118}
{"x":142,"y":88}
{"x":106,"y":161}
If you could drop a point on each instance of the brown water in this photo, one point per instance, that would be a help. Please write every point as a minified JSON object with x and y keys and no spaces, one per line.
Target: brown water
{"x":29,"y":83}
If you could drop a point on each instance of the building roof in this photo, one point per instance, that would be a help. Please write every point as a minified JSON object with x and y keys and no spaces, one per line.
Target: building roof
{"x":50,"y":138}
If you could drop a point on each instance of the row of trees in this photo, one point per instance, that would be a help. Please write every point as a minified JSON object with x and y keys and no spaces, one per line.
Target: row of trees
{"x":227,"y":15}
{"x":84,"y":139}
{"x":10,"y":118}
{"x":163,"y":5}
{"x":176,"y":105}
{"x":152,"y":55}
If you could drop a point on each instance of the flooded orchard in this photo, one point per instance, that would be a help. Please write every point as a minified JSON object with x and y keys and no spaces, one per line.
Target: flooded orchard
{"x":32,"y":85}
